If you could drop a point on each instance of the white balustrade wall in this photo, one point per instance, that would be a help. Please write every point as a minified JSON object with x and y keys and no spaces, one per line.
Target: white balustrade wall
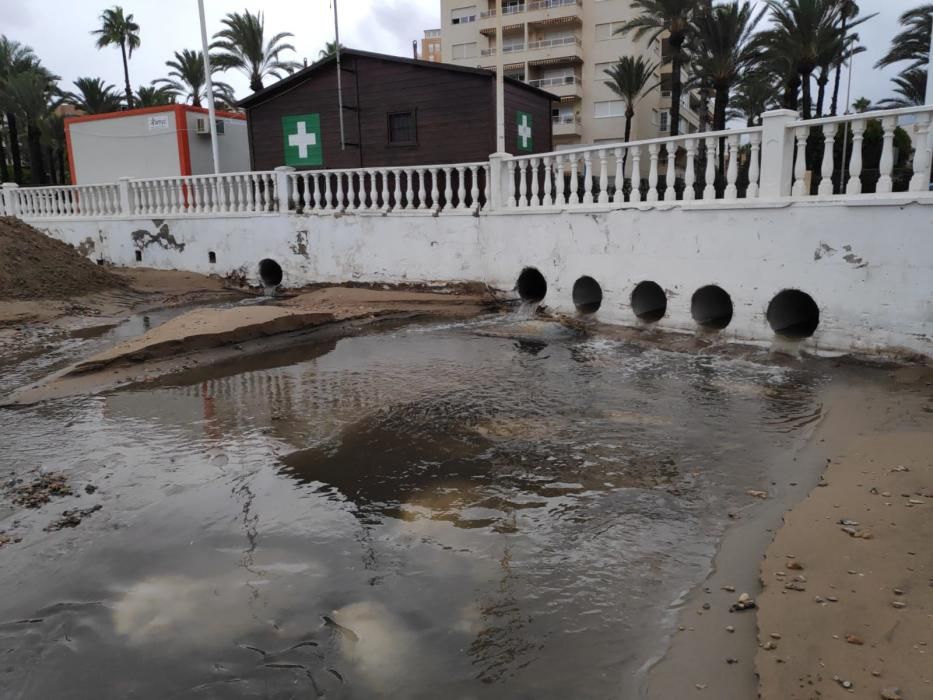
{"x":764,"y":162}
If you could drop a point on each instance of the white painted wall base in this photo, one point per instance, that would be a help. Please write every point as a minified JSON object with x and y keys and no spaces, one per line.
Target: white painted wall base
{"x":869,"y":266}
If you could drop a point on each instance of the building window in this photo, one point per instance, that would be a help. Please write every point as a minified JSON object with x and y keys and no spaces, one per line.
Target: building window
{"x":464,"y":50}
{"x":462,"y":15}
{"x":663,"y":120}
{"x":599,"y":71}
{"x":609,"y":108}
{"x":402,"y":129}
{"x":607,"y":31}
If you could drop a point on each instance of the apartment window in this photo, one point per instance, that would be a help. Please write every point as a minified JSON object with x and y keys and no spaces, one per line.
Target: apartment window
{"x":464,"y":50}
{"x":664,"y":120}
{"x":402,"y":129}
{"x":607,"y":31}
{"x":462,"y":15}
{"x":599,"y":71}
{"x":609,"y":108}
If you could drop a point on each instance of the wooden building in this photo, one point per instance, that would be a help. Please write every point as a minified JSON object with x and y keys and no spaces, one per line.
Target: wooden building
{"x":396,"y":112}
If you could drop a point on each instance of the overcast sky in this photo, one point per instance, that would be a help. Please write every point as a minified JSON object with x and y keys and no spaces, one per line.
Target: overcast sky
{"x":59,"y":31}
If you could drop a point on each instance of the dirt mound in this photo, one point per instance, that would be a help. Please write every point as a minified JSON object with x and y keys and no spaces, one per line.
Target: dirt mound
{"x":35,"y":266}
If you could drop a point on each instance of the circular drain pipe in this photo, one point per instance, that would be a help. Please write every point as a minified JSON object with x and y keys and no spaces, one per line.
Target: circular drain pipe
{"x":649,"y":302}
{"x":711,"y":307}
{"x":531,"y":285}
{"x":587,"y":295}
{"x":270,"y":273}
{"x":793,"y":314}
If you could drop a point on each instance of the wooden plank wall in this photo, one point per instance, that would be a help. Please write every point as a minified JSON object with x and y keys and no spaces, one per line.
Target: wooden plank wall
{"x":455,"y":115}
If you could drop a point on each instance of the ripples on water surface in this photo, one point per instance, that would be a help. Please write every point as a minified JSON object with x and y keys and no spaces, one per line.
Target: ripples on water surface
{"x":421,"y":514}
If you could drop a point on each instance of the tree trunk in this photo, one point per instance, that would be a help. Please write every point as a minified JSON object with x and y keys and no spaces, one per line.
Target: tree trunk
{"x":255,"y":84}
{"x":805,"y":95}
{"x":676,"y":88}
{"x":61,"y":166}
{"x":126,"y":77}
{"x":37,"y":169}
{"x":4,"y":172}
{"x":50,"y":157}
{"x":835,"y":100}
{"x":821,"y":90}
{"x":719,"y":124}
{"x":791,"y":90}
{"x":15,"y":155}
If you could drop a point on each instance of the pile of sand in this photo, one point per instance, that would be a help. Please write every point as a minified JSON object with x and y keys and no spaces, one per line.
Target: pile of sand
{"x":34,"y":266}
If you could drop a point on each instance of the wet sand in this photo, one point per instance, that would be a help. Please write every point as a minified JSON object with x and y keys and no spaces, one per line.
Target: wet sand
{"x":828,"y":621}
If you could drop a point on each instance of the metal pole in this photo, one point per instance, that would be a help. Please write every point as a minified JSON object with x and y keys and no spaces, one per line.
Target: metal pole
{"x":339,"y":86}
{"x":929,"y":93}
{"x":845,"y":125}
{"x":500,"y":85}
{"x":210,"y":90}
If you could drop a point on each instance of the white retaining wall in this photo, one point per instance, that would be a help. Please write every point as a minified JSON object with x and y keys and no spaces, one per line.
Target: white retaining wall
{"x":867,"y":264}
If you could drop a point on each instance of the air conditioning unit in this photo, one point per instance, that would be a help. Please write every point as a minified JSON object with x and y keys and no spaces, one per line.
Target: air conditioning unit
{"x":202,"y":128}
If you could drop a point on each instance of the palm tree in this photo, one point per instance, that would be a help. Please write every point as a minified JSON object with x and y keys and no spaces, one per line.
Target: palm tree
{"x":799,"y":35}
{"x":913,"y":43}
{"x":723,"y":49}
{"x":152,"y":96}
{"x":34,"y":90}
{"x":15,"y":59}
{"x":94,"y":96}
{"x":674,"y":17}
{"x":186,"y":79}
{"x":243,"y":46}
{"x":330,"y":48}
{"x":119,"y":29}
{"x":754,"y":94}
{"x":911,"y":88}
{"x":861,"y":105}
{"x":629,"y":79}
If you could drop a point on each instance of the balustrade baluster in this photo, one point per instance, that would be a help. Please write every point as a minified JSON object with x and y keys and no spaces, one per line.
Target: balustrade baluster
{"x":449,"y":188}
{"x":548,"y":200}
{"x":670,"y":177}
{"x":435,"y":192}
{"x":522,"y":183}
{"x":635,"y":155}
{"x":753,"y":167}
{"x":690,"y":175}
{"x":560,"y":191}
{"x":461,"y":187}
{"x":800,"y":162}
{"x":474,"y":187}
{"x":618,"y":195}
{"x":652,"y":172}
{"x":603,"y":196}
{"x":587,"y":177}
{"x":854,"y":185}
{"x":732,"y":170}
{"x":709,"y":190}
{"x":510,"y":186}
{"x":886,"y":166}
{"x":920,"y":181}
{"x":535,"y":184}
{"x":422,"y":189}
{"x":340,"y":206}
{"x":409,"y":188}
{"x":826,"y":169}
{"x":397,"y":190}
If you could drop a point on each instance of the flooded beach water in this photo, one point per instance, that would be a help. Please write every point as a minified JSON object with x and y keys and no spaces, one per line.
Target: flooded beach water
{"x":439,"y":511}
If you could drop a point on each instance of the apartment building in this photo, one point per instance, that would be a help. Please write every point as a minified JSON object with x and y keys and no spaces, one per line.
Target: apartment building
{"x":564,"y":47}
{"x":431,"y":46}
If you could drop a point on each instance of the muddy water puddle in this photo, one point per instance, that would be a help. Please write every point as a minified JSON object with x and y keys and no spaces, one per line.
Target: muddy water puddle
{"x":424,"y":513}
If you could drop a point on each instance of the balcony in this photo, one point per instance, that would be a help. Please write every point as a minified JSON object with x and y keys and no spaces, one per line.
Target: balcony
{"x":513,"y":48}
{"x":506,"y":11}
{"x":562,"y":86}
{"x":553,"y":12}
{"x":566,"y":125}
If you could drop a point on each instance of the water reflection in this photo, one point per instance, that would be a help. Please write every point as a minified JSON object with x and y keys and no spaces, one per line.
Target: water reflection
{"x":419,"y":514}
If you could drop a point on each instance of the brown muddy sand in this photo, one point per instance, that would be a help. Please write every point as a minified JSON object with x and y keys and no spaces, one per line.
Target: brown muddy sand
{"x":36,"y":266}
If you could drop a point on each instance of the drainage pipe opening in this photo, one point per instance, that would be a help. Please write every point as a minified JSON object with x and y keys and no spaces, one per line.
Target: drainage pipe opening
{"x":793,"y":314}
{"x":531,"y":285}
{"x":270,"y":273}
{"x":711,"y":307}
{"x":649,"y":302}
{"x":587,"y":295}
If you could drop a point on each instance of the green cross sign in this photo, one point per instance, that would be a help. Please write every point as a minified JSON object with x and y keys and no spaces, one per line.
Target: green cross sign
{"x":524,"y":131}
{"x":302,"y":136}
